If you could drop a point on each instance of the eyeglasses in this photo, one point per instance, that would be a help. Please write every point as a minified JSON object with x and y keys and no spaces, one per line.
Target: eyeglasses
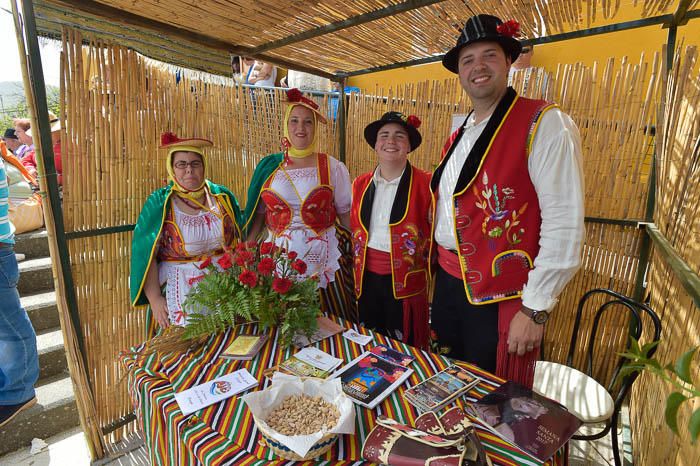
{"x":182,"y":165}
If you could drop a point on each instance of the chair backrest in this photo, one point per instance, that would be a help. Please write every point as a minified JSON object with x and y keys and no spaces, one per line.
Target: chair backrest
{"x":612,"y":300}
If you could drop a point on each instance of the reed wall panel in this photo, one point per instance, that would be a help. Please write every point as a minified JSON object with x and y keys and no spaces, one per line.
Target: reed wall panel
{"x":676,"y":216}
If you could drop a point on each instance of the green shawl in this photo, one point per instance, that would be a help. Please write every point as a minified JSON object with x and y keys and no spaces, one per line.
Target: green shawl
{"x":149,"y":226}
{"x":263,"y":170}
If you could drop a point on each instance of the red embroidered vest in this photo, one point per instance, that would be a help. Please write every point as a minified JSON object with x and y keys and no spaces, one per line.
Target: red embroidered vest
{"x":496,"y":210}
{"x":317,"y":209}
{"x":409,"y":226}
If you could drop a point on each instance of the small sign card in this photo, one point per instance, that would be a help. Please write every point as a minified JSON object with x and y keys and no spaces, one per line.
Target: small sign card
{"x":356,"y":337}
{"x":213,"y":391}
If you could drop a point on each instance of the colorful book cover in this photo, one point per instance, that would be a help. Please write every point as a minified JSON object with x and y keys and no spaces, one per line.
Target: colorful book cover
{"x":531,"y":422}
{"x":368,"y":379}
{"x":244,"y":347}
{"x":301,"y":368}
{"x":391,"y":355}
{"x":442,"y":388}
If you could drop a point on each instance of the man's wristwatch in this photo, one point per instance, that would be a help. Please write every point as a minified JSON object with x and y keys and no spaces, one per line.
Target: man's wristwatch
{"x":538,"y":317}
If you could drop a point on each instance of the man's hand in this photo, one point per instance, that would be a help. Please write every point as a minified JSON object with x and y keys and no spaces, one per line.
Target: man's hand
{"x":524,"y":335}
{"x":159,"y":306}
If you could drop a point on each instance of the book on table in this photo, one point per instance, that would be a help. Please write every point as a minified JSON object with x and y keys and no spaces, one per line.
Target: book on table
{"x":441,"y":389}
{"x":531,"y":422}
{"x":369,"y":378}
{"x":244,"y":347}
{"x":308,"y":362}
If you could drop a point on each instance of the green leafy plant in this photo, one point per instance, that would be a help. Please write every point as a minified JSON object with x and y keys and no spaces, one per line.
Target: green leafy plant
{"x":679,"y":375}
{"x":254,"y":284}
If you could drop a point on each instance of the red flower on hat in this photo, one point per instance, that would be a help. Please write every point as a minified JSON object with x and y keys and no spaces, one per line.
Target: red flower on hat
{"x":413,"y":121}
{"x":510,"y":28}
{"x":294,"y":95}
{"x":168,"y":138}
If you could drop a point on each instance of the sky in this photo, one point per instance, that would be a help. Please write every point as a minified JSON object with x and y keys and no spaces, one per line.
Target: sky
{"x":10,"y":69}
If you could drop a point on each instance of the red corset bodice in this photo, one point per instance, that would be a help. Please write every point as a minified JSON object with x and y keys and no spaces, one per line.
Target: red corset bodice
{"x":317,"y":208}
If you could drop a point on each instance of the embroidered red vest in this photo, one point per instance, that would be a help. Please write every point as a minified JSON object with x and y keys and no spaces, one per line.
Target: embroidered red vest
{"x":317,"y":209}
{"x":496,"y":210}
{"x":409,"y":227}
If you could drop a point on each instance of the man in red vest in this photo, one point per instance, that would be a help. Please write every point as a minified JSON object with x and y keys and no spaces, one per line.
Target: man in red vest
{"x":508,"y":228}
{"x":390,"y":222}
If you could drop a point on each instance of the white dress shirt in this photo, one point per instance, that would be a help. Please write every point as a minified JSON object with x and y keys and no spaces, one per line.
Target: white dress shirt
{"x":384,"y":194}
{"x":556,"y":171}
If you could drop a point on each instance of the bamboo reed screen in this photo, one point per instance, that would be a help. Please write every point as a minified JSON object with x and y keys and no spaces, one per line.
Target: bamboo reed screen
{"x":676,"y":216}
{"x":116,"y":103}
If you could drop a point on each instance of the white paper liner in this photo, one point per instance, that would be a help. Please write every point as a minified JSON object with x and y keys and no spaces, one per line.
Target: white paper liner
{"x":261,"y":403}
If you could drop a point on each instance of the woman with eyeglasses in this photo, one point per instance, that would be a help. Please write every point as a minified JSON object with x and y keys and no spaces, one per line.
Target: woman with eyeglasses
{"x":180,"y":225}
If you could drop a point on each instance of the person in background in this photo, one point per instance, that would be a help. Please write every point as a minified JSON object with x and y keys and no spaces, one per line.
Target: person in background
{"x":390,"y":223}
{"x":179,"y":225}
{"x":22,"y":125}
{"x":19,"y":362}
{"x":29,"y":160}
{"x":262,"y":74}
{"x":296,"y":196}
{"x":11,"y":140}
{"x":509,"y":211}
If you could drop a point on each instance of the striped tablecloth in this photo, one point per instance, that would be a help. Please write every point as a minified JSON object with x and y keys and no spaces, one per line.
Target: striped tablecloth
{"x":224,"y":433}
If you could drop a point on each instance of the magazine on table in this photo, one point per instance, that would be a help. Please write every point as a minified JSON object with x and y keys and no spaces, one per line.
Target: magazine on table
{"x":391,"y":355}
{"x":326,"y":328}
{"x":533,"y":423}
{"x":441,"y":389}
{"x":368,"y":379}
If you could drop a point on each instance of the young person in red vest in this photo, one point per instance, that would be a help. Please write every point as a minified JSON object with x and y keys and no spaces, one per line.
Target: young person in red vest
{"x":508,"y":228}
{"x":390,"y":221}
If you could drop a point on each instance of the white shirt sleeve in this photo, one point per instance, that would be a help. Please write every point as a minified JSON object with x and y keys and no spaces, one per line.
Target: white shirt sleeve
{"x":556,"y":171}
{"x":340,"y":177}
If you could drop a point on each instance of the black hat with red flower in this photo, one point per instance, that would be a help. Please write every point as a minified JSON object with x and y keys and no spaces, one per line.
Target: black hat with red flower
{"x":485,"y":28}
{"x":411,"y":123}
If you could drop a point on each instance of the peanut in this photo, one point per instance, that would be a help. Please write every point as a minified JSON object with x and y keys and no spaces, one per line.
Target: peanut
{"x":303,"y":415}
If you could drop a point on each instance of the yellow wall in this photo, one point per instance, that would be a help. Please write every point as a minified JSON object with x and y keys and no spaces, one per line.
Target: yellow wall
{"x":586,"y":50}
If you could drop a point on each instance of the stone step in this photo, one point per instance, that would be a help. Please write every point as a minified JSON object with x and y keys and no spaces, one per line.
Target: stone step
{"x":42,"y":310}
{"x":52,"y":354}
{"x":33,"y":244}
{"x":55,"y":411}
{"x":35,"y":276}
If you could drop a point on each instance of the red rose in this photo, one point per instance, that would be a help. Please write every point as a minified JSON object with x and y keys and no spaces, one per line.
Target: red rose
{"x":300,"y":266}
{"x":266,"y":266}
{"x":292,"y":255}
{"x":205,"y":263}
{"x":225,"y":261}
{"x":248,"y":278}
{"x":281,"y":285}
{"x":414,"y":121}
{"x":266,"y":247}
{"x":510,"y":28}
{"x":243,"y":257}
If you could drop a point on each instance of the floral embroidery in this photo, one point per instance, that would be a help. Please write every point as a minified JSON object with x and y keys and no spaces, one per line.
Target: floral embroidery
{"x":410,"y":243}
{"x":498,"y":218}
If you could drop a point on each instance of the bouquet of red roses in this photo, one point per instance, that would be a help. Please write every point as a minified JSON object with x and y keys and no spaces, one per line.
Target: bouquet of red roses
{"x":254,"y":283}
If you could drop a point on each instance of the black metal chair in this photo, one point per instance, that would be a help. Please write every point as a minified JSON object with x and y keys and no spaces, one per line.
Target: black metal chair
{"x":580,"y":392}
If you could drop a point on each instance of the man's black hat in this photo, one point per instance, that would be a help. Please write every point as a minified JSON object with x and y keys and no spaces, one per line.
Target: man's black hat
{"x":10,"y":134}
{"x":411,"y":123}
{"x":483,"y":28}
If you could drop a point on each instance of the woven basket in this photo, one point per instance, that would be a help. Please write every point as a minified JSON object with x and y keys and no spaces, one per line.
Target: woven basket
{"x":323,"y":445}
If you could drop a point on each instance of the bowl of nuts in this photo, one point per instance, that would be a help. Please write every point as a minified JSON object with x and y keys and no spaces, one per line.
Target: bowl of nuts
{"x":301,"y":418}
